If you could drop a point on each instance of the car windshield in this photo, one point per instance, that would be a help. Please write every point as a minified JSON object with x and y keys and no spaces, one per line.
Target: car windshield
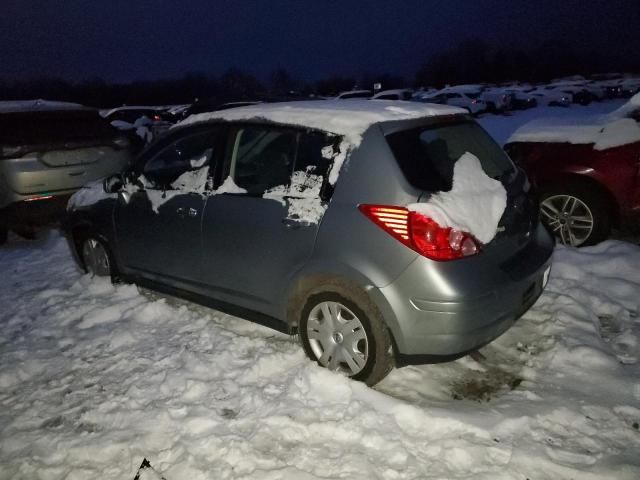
{"x":55,"y":127}
{"x":427,"y":155}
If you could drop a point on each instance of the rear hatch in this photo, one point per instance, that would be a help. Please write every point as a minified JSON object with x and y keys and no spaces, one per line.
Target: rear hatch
{"x":57,"y":150}
{"x":56,"y":134}
{"x":427,"y":155}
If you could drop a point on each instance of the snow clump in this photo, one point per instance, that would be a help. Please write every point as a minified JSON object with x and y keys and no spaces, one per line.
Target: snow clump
{"x":474,"y":204}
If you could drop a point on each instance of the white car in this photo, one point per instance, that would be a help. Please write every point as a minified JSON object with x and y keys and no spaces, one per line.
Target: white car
{"x":551,"y":98}
{"x":398,"y":94}
{"x":468,"y":99}
{"x":497,"y":99}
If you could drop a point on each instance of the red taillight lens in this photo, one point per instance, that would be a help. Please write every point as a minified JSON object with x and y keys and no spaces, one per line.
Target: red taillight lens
{"x":156,"y":118}
{"x":393,"y":220}
{"x":421,"y":233}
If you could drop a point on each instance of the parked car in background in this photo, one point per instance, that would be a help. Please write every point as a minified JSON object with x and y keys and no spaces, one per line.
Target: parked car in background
{"x":47,"y":151}
{"x":520,"y":100}
{"x":587,"y":173}
{"x":351,"y":94}
{"x":497,"y":99}
{"x":247,"y":210}
{"x":459,"y":96}
{"x":434,"y":97}
{"x":550,"y":98}
{"x":398,"y":94}
{"x":144,"y":122}
{"x":578,"y":94}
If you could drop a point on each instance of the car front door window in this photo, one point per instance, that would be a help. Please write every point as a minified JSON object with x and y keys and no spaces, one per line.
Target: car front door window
{"x":182,"y":165}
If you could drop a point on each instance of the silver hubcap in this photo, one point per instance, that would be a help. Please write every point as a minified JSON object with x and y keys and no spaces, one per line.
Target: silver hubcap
{"x":95,"y":258}
{"x":337,"y":338}
{"x":568,"y":217}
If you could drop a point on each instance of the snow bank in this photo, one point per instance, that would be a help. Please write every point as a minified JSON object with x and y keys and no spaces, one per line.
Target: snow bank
{"x":475,"y":203}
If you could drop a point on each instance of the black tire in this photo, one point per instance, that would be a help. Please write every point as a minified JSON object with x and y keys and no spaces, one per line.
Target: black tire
{"x":4,"y":234}
{"x":101,"y":263}
{"x":596,"y":204}
{"x":379,"y":360}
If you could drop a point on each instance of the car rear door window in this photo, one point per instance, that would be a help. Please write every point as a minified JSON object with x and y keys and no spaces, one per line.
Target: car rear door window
{"x":262,"y":158}
{"x":192,"y":154}
{"x":427,"y":155}
{"x":314,"y":159}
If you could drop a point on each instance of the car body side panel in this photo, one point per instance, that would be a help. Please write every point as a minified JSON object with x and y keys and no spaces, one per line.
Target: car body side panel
{"x":166,"y":242}
{"x":615,"y":169}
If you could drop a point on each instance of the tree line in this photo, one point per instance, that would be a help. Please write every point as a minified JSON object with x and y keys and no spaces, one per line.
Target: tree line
{"x":472,"y":61}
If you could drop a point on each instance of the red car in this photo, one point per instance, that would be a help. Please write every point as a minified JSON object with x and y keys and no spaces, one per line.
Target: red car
{"x":587,"y":174}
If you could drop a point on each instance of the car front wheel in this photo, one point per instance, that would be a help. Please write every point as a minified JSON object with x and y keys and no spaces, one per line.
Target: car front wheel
{"x":576,"y":216}
{"x":95,"y":257}
{"x":347,"y":337}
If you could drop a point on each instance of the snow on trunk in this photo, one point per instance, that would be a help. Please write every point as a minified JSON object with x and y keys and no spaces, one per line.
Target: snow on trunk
{"x":475,"y":204}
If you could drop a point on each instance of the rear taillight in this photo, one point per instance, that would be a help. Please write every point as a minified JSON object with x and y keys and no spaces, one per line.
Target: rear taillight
{"x":421,"y":233}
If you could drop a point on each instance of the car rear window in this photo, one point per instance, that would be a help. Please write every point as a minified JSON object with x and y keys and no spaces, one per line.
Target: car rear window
{"x":427,"y":155}
{"x":39,"y":128}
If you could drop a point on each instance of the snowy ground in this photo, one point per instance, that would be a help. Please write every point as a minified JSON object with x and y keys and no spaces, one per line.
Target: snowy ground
{"x":94,"y":377}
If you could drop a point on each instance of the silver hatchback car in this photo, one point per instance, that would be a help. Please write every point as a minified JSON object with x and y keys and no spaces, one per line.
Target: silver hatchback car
{"x":295,"y":215}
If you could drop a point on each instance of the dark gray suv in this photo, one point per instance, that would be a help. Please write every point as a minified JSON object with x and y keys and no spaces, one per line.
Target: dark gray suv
{"x":295,"y":215}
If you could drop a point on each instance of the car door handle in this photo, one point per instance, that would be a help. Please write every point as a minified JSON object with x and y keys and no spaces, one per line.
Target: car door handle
{"x":183,"y":212}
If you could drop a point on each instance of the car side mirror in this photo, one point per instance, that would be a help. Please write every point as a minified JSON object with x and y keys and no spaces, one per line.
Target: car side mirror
{"x":113,"y":183}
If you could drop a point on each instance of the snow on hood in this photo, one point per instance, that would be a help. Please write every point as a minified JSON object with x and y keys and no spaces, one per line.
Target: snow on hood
{"x":627,"y":108}
{"x":348,"y":119}
{"x":603,"y":131}
{"x":89,"y":194}
{"x":475,"y":204}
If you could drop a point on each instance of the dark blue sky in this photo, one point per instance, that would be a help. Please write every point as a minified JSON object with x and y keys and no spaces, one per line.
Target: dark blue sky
{"x":146,"y":39}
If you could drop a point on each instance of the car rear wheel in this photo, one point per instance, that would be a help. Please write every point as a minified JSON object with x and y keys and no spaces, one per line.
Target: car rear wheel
{"x":347,"y":337}
{"x":95,"y":257}
{"x":577,"y":216}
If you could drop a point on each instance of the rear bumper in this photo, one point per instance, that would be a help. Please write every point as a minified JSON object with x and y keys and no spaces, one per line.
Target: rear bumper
{"x":40,"y":211}
{"x":480,"y":307}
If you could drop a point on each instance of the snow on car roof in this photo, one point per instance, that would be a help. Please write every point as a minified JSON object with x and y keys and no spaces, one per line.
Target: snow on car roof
{"x":14,"y":106}
{"x":604,"y":131}
{"x":463,"y":88}
{"x":111,"y":111}
{"x":349,"y":119}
